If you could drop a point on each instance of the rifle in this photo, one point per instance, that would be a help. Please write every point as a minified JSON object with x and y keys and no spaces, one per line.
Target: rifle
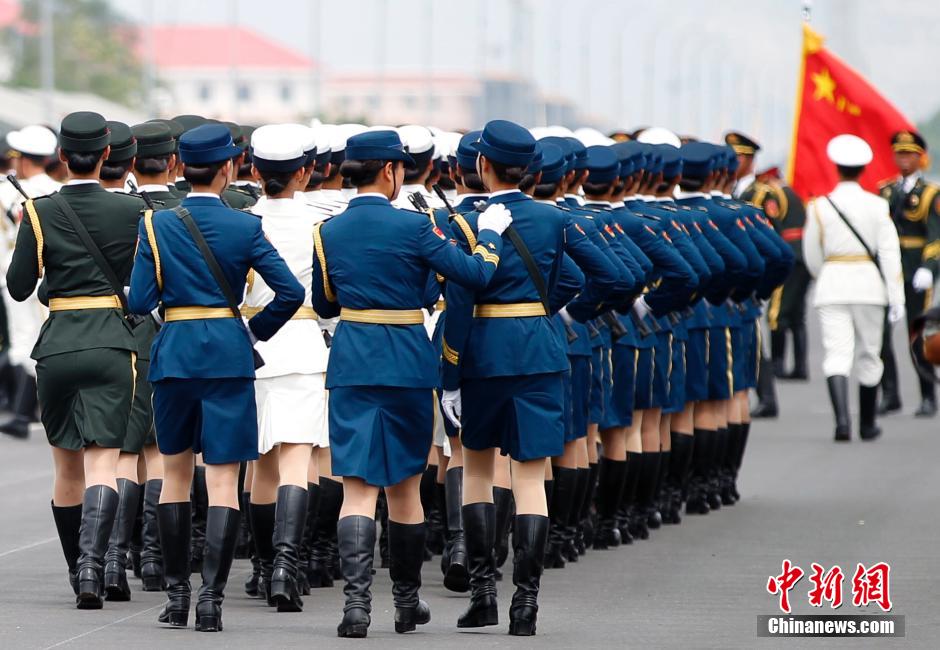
{"x":19,"y":188}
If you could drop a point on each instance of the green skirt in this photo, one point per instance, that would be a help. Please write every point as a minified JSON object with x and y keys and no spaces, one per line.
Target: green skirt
{"x":85,"y":397}
{"x":140,"y":429}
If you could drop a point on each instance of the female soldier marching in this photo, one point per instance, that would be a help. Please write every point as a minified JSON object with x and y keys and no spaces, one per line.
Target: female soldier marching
{"x":374,"y":267}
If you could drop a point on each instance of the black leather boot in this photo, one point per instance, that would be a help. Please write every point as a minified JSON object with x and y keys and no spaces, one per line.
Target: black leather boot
{"x":456,"y":574}
{"x":356,"y":536}
{"x":176,"y":541}
{"x":566,"y":484}
{"x":243,"y":548}
{"x":800,"y":351}
{"x":200,"y":501}
{"x":289,"y":518}
{"x":726,"y":467}
{"x":549,"y":494}
{"x":646,"y":490}
{"x":480,"y":522}
{"x":98,"y":510}
{"x":680,"y":462}
{"x":319,"y":568}
{"x":405,"y":543}
{"x":254,"y":578}
{"x":628,"y":499}
{"x":23,"y":404}
{"x":151,"y":554}
{"x":867,"y":401}
{"x":778,"y":349}
{"x":766,"y":392}
{"x":574,"y":534}
{"x":222,"y":526}
{"x":68,"y":522}
{"x":137,"y":535}
{"x":839,"y":396}
{"x":381,"y":520}
{"x":502,"y":499}
{"x":115,"y":567}
{"x":587,"y":516}
{"x":528,"y":538}
{"x":697,"y":502}
{"x":310,"y":520}
{"x":262,"y":523}
{"x":890,"y":392}
{"x":739,"y":458}
{"x":433,"y":515}
{"x":611,"y":475}
{"x":712,"y":491}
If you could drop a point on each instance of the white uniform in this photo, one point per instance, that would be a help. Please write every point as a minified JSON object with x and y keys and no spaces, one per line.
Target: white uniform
{"x":403,"y":203}
{"x":850,"y":293}
{"x":24,"y":318}
{"x":290,"y":388}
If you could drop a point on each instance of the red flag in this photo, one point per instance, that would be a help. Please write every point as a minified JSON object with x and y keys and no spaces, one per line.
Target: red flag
{"x":831,"y":99}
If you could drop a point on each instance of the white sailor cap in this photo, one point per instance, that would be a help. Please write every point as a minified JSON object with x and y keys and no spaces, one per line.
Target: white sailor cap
{"x":324,"y":133}
{"x":848,"y":150}
{"x":342,"y":133}
{"x":278,"y":148}
{"x":659,"y":135}
{"x":33,"y":140}
{"x":416,"y":139}
{"x":591,"y":137}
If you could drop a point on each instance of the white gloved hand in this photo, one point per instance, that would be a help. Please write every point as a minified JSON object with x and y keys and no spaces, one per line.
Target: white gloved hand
{"x":640,"y":307}
{"x":156,"y":316}
{"x":896,"y":313}
{"x":922,"y":280}
{"x":450,"y":405}
{"x":565,"y":316}
{"x":496,"y":218}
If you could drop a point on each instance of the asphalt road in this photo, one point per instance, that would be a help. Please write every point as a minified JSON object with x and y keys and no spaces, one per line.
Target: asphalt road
{"x":697,"y":585}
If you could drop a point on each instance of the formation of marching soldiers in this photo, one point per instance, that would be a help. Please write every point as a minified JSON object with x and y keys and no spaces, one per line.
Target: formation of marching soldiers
{"x":291,"y":343}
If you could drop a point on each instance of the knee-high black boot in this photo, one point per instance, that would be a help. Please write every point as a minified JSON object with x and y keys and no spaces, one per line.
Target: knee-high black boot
{"x":480,"y":522}
{"x":320,"y":568}
{"x":115,"y":567}
{"x":502,"y":499}
{"x":839,"y":395}
{"x":289,"y":518}
{"x":726,"y":466}
{"x":766,"y":391}
{"x":626,"y":512}
{"x":381,"y":520}
{"x":433,"y":515}
{"x":253,"y":581}
{"x":646,"y":492}
{"x":68,"y":522}
{"x":800,"y":353}
{"x":739,"y":458}
{"x":890,"y":391}
{"x":200,"y":501}
{"x":175,"y":539}
{"x":697,"y":501}
{"x":151,"y":554}
{"x":356,"y":537}
{"x":313,"y":504}
{"x":137,"y":534}
{"x":867,"y":398}
{"x":456,"y":575}
{"x":574,"y":535}
{"x":680,"y":463}
{"x":405,"y":542}
{"x":778,"y":348}
{"x":716,"y":444}
{"x":549,"y":496}
{"x":528,"y":540}
{"x":610,"y":481}
{"x":98,"y":509}
{"x":262,"y":525}
{"x":221,"y":537}
{"x":566,"y":479}
{"x":587,"y":518}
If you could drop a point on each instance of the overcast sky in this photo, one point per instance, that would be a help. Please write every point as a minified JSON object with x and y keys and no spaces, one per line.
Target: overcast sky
{"x":694,"y":66}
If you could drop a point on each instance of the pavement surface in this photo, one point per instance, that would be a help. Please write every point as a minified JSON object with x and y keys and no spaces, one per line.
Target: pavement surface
{"x":697,"y":585}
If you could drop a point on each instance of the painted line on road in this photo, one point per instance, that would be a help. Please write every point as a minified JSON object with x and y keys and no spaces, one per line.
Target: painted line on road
{"x":98,"y":629}
{"x":28,"y":546}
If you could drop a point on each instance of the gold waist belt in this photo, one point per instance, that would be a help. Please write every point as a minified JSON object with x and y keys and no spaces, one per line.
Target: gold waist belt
{"x":848,"y":258}
{"x":383,"y":316}
{"x":509,"y":310}
{"x":304,"y":313}
{"x":84,"y":302}
{"x":910,"y":241}
{"x":196,"y":313}
{"x":441,"y":305}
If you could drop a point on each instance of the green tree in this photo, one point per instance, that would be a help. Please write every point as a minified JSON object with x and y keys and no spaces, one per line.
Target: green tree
{"x":94,"y":50}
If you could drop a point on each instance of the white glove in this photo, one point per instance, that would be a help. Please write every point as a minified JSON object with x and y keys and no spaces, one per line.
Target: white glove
{"x":450,"y":404}
{"x":640,"y":307}
{"x":565,"y":316}
{"x":156,"y":316}
{"x":922,"y":280}
{"x":496,"y":218}
{"x":896,"y":312}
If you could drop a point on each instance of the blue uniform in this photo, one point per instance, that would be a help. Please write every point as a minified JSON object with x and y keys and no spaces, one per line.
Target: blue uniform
{"x":374,"y":267}
{"x":202,"y":367}
{"x":508,"y":361}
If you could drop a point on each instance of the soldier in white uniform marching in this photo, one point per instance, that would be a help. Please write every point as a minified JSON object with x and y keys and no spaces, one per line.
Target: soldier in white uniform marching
{"x":290,"y":387}
{"x":851,"y":248}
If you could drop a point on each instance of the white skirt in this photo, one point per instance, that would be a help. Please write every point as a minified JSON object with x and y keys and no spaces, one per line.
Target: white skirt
{"x":292,"y":409}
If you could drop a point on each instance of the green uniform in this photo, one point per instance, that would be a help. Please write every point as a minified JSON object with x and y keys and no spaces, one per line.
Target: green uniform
{"x":85,"y":356}
{"x":238,"y":197}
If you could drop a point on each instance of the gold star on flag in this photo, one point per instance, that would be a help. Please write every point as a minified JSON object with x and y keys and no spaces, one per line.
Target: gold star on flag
{"x":825,"y":86}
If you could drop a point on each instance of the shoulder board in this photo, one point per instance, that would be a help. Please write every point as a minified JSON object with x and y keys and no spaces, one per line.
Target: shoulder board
{"x":667,"y":207}
{"x":886,"y":189}
{"x":651,"y":217}
{"x":563,"y":208}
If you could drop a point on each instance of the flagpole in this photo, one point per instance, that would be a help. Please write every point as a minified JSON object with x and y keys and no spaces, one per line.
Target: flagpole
{"x":791,"y":163}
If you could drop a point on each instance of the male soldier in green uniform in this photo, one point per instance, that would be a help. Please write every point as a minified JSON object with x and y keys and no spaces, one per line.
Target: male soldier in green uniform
{"x":237,"y":195}
{"x":915,"y":209}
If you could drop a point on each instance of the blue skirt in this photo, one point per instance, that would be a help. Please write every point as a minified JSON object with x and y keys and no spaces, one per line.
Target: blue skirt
{"x":643,"y":395}
{"x":720,"y":364}
{"x":622,"y":399}
{"x":596,"y":413}
{"x":677,"y":378}
{"x":521,"y":415}
{"x":662,"y":365}
{"x":580,"y":396}
{"x":740,"y":357}
{"x":381,"y":434}
{"x":752,"y":342}
{"x":215,"y":417}
{"x":696,"y":366}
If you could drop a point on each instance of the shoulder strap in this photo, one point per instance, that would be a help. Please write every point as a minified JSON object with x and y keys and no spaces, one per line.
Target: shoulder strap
{"x":868,"y":251}
{"x":530,"y":266}
{"x":116,"y":285}
{"x":209,"y":258}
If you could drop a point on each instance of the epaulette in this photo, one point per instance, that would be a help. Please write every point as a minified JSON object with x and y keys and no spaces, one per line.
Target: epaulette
{"x":651,"y":217}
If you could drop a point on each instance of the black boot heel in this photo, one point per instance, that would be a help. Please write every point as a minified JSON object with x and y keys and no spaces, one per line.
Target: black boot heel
{"x":115,"y":582}
{"x":152,"y":581}
{"x":175,"y":612}
{"x":408,"y":618}
{"x":89,"y":590}
{"x":285,"y":593}
{"x":483,"y":612}
{"x":355,"y":624}
{"x":208,"y":617}
{"x":522,"y":621}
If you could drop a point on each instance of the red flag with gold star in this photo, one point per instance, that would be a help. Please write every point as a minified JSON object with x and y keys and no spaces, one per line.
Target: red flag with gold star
{"x":832,"y":99}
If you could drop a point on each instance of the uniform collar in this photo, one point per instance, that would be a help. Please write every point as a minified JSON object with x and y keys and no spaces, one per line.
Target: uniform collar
{"x":743,"y":183}
{"x":72,"y":182}
{"x":506,"y":196}
{"x":690,"y":195}
{"x":467,"y":200}
{"x":202,"y":198}
{"x":908,"y":183}
{"x":369,"y":198}
{"x":153,"y":188}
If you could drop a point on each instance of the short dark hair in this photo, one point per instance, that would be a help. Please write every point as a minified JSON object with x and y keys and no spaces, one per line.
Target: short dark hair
{"x":202,"y":174}
{"x":469,"y":178}
{"x":82,"y":162}
{"x":414,"y":173}
{"x":850,"y":173}
{"x":512,"y":174}
{"x":545,"y":190}
{"x":594,"y":189}
{"x":362,"y":172}
{"x":153,"y":165}
{"x":114,"y":171}
{"x":528,"y":182}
